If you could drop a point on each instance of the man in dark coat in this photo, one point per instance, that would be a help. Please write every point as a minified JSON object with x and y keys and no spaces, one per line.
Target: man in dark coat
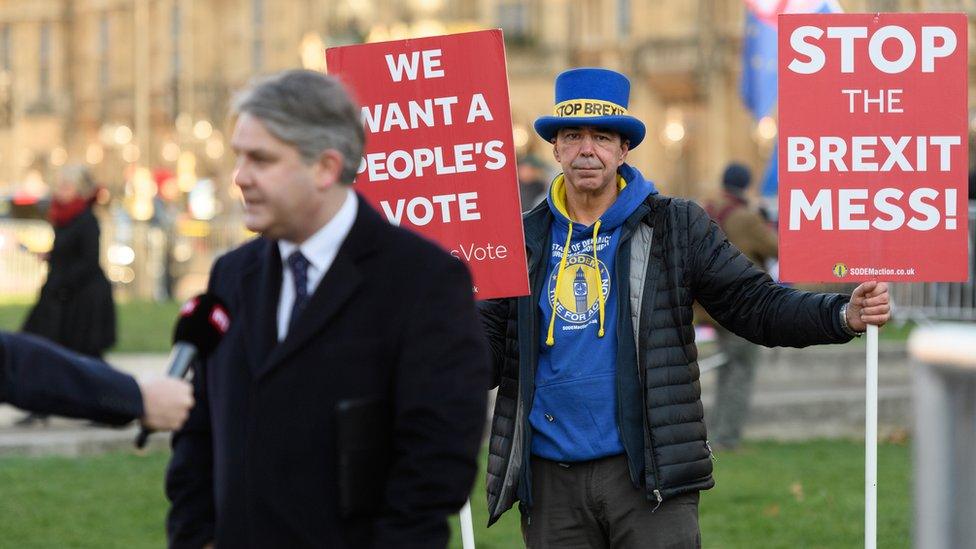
{"x":345,"y":406}
{"x":598,"y":428}
{"x":43,"y":377}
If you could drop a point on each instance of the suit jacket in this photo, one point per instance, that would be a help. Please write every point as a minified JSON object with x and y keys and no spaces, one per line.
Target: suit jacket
{"x":361,"y":428}
{"x":45,"y":378}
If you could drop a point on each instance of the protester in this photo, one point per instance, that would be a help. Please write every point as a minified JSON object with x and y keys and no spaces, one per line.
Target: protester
{"x":345,"y":406}
{"x":598,"y":427}
{"x":43,"y":377}
{"x":751,"y":234}
{"x":75,"y":307}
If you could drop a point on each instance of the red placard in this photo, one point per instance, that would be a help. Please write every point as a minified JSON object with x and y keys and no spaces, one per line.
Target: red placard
{"x":873,"y":147}
{"x":439,"y":153}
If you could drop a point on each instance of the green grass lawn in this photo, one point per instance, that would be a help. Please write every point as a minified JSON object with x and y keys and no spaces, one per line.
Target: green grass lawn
{"x":768,"y":495}
{"x":143,"y":326}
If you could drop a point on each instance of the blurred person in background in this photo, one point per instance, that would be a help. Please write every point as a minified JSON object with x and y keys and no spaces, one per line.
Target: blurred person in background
{"x":532,"y":181}
{"x":75,"y":307}
{"x":747,"y":229}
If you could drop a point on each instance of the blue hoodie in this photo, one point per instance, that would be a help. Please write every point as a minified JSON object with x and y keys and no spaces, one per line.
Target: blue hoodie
{"x":574,"y":412}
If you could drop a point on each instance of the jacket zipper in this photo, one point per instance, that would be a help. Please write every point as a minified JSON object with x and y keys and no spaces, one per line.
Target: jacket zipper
{"x":525,"y":473}
{"x":647,"y":428}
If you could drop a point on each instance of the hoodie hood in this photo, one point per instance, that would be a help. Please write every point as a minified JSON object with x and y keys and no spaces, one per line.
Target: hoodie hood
{"x":633,"y":189}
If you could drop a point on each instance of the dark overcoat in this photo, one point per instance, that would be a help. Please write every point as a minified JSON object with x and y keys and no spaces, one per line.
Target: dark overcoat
{"x":75,"y":307}
{"x":361,"y":428}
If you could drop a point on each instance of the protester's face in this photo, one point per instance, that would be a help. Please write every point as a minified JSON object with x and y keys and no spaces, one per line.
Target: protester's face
{"x":589,"y":157}
{"x":280,"y":191}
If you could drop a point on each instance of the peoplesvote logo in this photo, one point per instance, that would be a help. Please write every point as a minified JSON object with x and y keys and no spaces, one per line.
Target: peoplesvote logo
{"x":840,"y":270}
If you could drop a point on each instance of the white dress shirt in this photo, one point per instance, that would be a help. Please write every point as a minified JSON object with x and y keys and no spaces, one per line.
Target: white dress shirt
{"x":320,"y":249}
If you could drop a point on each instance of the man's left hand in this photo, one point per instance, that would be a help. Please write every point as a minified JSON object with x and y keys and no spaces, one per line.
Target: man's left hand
{"x":870,"y":304}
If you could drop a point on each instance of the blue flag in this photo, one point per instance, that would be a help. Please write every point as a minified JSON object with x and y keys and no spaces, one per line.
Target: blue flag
{"x":770,"y":180}
{"x":759,"y":82}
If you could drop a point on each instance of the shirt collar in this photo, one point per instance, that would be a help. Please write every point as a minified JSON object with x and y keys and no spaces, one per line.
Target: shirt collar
{"x":325,"y":242}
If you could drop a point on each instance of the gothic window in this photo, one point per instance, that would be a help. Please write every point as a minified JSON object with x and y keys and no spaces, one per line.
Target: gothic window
{"x":257,"y":42}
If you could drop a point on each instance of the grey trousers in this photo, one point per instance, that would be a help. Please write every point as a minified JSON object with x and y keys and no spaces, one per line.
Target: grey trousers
{"x":593,"y":505}
{"x":734,"y":391}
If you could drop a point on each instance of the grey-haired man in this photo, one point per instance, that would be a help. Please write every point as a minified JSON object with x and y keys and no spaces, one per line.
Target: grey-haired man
{"x":345,"y":406}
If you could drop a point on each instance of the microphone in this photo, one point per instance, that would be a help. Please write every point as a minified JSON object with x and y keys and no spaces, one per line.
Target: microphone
{"x":202,"y":322}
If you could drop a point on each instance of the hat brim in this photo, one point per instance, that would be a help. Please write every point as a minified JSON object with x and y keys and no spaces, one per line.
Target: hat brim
{"x":628,"y":127}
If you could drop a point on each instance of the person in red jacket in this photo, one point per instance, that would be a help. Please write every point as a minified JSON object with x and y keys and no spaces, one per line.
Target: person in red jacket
{"x":75,"y":307}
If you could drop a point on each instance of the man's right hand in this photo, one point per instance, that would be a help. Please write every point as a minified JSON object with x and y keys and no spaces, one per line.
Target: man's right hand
{"x":166,"y":402}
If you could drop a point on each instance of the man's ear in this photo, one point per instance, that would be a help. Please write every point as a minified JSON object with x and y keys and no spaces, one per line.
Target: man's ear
{"x":329,"y":168}
{"x":555,"y":150}
{"x":625,"y":147}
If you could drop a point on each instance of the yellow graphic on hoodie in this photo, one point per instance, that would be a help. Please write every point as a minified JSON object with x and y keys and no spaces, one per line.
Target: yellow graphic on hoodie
{"x":577,"y":301}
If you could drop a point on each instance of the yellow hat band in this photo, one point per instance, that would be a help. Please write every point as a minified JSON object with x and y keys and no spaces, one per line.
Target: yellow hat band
{"x":588,"y":107}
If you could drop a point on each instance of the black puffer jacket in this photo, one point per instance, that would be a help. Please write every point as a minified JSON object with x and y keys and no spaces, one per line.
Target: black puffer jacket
{"x":671,"y":255}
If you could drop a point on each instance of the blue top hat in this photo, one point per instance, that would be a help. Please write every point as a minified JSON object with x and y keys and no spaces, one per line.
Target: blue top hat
{"x":592,"y":97}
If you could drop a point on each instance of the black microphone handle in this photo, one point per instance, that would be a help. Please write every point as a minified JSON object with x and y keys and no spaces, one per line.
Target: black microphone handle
{"x":179,"y":361}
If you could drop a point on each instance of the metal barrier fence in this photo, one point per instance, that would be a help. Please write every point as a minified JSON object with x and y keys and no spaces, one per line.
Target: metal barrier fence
{"x":927,"y":301}
{"x":945,"y":435}
{"x":22,"y":270}
{"x":146,"y":261}
{"x":143,"y":260}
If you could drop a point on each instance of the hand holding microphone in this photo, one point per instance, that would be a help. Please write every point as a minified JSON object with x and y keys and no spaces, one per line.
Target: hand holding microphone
{"x":202,"y":323}
{"x":166,"y":402}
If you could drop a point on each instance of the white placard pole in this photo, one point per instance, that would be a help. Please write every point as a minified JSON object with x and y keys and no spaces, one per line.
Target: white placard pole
{"x":871,"y":442}
{"x":467,"y":526}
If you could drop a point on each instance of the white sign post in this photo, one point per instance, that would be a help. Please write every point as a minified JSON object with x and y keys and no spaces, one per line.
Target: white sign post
{"x":871,"y":442}
{"x":467,"y":526}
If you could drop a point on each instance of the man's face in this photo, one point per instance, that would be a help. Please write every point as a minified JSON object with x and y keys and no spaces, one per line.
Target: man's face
{"x":280,"y":190}
{"x":589,"y":157}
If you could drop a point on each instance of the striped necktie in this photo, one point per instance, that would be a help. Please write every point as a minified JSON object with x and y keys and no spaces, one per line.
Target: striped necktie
{"x":298,"y":264}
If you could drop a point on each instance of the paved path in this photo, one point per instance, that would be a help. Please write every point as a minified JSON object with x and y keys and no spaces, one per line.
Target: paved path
{"x":800,"y":394}
{"x":76,"y":437}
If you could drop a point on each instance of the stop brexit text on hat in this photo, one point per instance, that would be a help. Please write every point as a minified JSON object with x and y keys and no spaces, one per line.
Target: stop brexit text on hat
{"x":592,"y":96}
